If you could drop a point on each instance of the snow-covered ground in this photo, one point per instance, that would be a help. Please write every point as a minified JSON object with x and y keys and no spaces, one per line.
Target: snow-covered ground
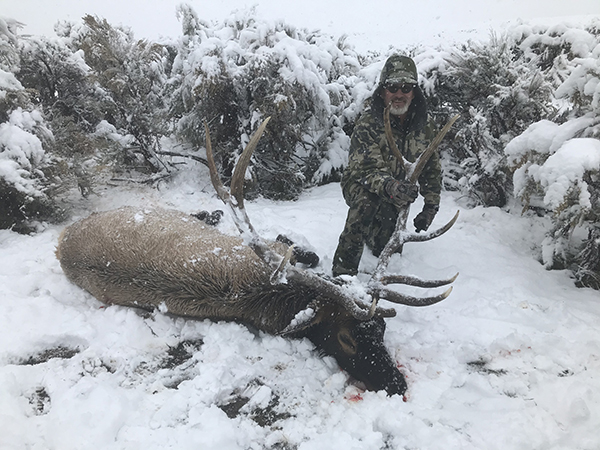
{"x":511,"y":360}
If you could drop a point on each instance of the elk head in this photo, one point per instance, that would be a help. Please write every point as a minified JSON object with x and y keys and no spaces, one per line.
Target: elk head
{"x":341,"y":323}
{"x":357,"y":345}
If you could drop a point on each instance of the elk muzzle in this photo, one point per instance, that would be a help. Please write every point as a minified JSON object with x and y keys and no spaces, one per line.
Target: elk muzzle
{"x":358,"y":348}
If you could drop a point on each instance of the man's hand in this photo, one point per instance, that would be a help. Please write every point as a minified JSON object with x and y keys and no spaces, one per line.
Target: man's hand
{"x":425,"y":217}
{"x":401,"y":192}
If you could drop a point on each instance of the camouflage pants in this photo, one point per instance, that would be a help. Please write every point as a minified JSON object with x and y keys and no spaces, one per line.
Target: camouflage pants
{"x":371,"y":220}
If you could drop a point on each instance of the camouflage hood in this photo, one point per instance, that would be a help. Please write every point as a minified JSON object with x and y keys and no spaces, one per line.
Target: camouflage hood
{"x":400,"y":69}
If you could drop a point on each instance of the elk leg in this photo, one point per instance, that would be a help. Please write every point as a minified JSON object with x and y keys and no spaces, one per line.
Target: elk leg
{"x":301,"y":255}
{"x":210,"y":218}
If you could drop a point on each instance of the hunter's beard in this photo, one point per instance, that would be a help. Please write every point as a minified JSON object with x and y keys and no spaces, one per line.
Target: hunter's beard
{"x":399,"y":110}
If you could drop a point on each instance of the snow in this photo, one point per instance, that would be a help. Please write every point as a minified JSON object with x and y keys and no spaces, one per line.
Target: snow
{"x":567,"y":167}
{"x":20,"y":150}
{"x":508,"y":361}
{"x":584,"y":76}
{"x":8,"y":82}
{"x":565,"y":159}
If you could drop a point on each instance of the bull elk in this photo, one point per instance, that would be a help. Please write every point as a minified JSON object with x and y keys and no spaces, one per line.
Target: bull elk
{"x":153,"y":258}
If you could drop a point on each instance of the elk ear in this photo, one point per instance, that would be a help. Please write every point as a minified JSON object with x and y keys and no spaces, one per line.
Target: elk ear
{"x":347,"y":342}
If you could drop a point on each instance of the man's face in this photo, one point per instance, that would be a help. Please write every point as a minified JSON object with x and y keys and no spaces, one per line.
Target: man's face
{"x":400,"y":99}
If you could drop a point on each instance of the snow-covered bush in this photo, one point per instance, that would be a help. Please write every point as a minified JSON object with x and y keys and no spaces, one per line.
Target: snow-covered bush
{"x":102,"y":93}
{"x":557,"y":165}
{"x":559,"y":173}
{"x":22,"y":152}
{"x":127,"y":78}
{"x":570,"y":56}
{"x":497,"y":94}
{"x":236,"y":73}
{"x":22,"y":133}
{"x":72,"y":104}
{"x":22,"y":158}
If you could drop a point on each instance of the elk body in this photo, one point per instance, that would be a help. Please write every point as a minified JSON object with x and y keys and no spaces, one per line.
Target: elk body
{"x":164,"y":259}
{"x":155,"y":258}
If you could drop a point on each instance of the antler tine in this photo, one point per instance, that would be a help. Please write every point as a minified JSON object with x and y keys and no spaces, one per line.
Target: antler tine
{"x":390,"y":138}
{"x":419,"y":165}
{"x":277,"y":276}
{"x":415,"y":281}
{"x":239,"y":172}
{"x":212,"y":168}
{"x":413,"y":170}
{"x":240,"y":218}
{"x":402,"y":299}
{"x":418,"y":237}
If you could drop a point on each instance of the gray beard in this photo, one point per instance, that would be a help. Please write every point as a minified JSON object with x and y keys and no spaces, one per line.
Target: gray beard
{"x":399,"y":110}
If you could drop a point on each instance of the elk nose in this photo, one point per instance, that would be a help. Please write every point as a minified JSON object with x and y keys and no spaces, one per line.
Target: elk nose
{"x":398,"y":386}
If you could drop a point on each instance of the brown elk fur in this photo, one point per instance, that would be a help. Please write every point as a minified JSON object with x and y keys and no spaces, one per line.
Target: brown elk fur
{"x":156,"y":258}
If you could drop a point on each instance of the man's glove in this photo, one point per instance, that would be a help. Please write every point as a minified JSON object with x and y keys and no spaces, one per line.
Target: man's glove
{"x":425,"y":217}
{"x":401,"y":192}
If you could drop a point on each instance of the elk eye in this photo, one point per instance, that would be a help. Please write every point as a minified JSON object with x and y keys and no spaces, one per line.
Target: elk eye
{"x":347,"y":342}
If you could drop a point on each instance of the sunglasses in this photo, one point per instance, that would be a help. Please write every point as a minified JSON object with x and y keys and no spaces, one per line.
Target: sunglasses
{"x":405,"y":88}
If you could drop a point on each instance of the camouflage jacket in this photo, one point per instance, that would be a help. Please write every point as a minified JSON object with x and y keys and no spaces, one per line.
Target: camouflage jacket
{"x":371,"y":162}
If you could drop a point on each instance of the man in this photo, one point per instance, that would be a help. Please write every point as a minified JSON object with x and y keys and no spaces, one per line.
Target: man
{"x":374,"y":184}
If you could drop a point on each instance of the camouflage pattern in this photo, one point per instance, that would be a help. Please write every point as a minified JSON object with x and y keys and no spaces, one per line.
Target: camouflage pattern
{"x":371,"y":162}
{"x":398,"y":69}
{"x":372,"y":216}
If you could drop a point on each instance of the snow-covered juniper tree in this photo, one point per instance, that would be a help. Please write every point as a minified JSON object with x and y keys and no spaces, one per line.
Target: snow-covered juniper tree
{"x":557,"y":165}
{"x":129,"y":76}
{"x":236,"y":73}
{"x":497,"y":94}
{"x":23,"y":131}
{"x":73,"y":106}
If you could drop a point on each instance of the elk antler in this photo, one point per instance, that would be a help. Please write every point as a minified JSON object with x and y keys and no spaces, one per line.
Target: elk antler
{"x":413,"y":170}
{"x":280,"y":265}
{"x":282,"y":269}
{"x":238,"y":211}
{"x":401,"y":235}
